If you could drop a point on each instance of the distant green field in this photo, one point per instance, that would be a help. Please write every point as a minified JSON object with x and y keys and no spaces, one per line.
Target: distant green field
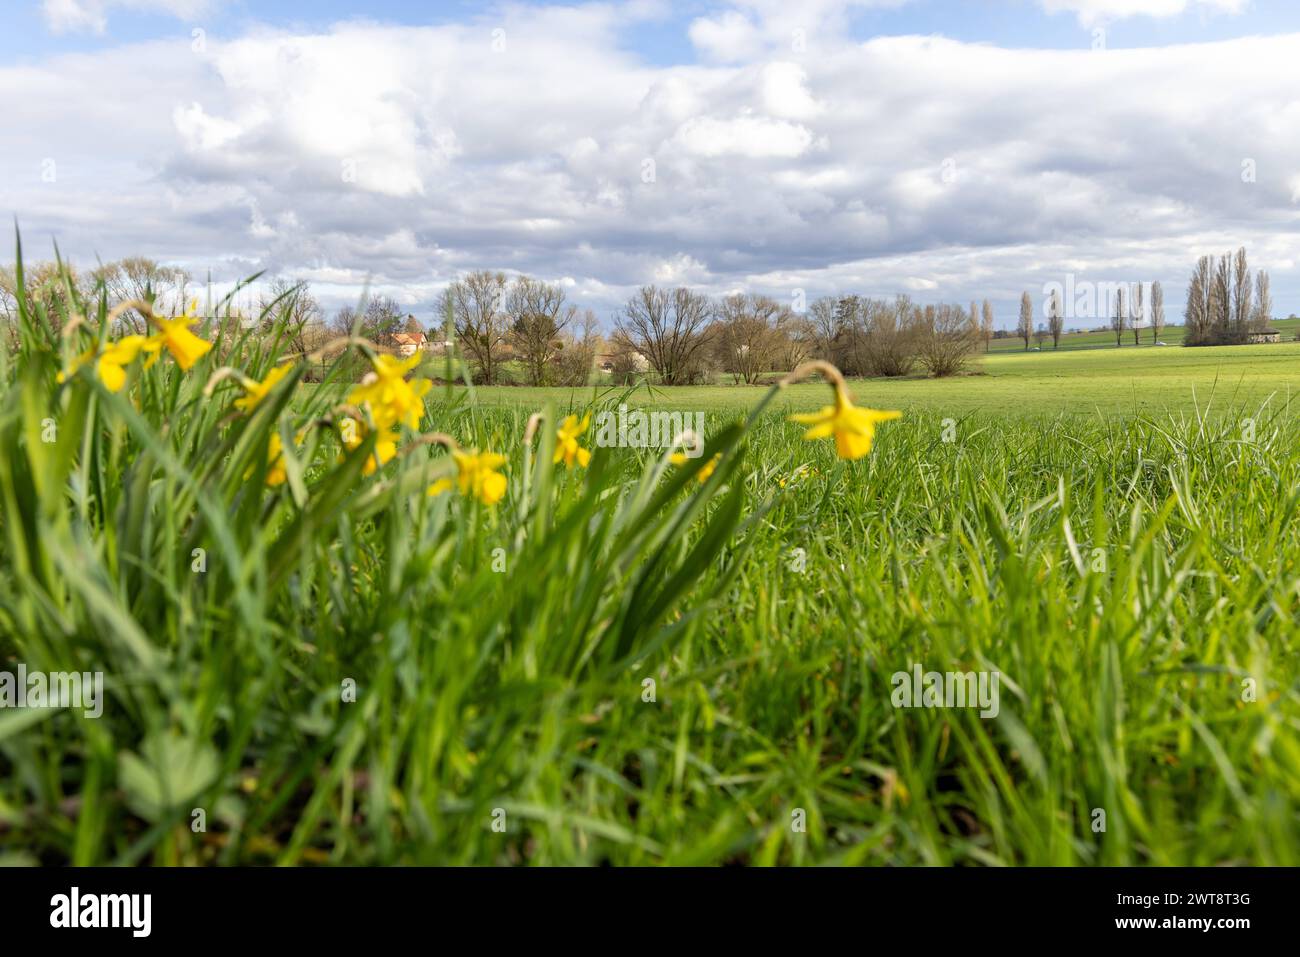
{"x":1104,"y":339}
{"x":1073,"y":382}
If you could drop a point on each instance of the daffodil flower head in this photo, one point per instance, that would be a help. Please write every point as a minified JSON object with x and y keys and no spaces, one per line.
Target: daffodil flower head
{"x":854,"y":428}
{"x":354,"y":433}
{"x":110,"y":363}
{"x":391,"y":399}
{"x":175,"y":335}
{"x":567,"y":449}
{"x":681,"y":458}
{"x":255,"y":392}
{"x":477,"y":474}
{"x":275,"y":472}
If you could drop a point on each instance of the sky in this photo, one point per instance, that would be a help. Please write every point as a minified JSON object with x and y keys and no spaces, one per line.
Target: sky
{"x":952,"y":151}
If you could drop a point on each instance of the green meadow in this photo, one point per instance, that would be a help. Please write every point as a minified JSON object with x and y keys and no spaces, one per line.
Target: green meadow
{"x":624,"y":664}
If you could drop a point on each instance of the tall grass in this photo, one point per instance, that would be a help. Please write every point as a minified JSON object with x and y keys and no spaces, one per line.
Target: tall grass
{"x":1125,"y":576}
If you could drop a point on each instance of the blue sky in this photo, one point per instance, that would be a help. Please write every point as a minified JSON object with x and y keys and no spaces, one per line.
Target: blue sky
{"x":1012,"y":23}
{"x":948,"y":150}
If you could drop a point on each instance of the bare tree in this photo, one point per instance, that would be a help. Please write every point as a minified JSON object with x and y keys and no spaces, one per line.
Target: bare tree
{"x":1026,"y":327}
{"x":1221,"y":301}
{"x":1241,"y":297}
{"x":670,"y":328}
{"x":1199,"y":315}
{"x":478,"y":309}
{"x":578,"y":349}
{"x":1157,"y":311}
{"x":1119,"y":320}
{"x":145,"y":280}
{"x":946,"y":340}
{"x":986,"y":323}
{"x":1263,"y":313}
{"x":289,"y":303}
{"x":538,"y":315}
{"x":890,"y":332}
{"x":1055,"y":318}
{"x":1136,"y":323}
{"x":748,"y":336}
{"x":824,"y":329}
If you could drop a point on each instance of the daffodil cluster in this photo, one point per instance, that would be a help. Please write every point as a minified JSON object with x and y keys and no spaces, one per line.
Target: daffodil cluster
{"x":112,"y":358}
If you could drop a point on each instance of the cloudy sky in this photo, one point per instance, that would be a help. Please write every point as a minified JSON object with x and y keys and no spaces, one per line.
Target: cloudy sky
{"x":951,"y":150}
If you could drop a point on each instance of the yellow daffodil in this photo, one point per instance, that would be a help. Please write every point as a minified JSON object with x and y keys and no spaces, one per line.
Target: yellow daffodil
{"x":392,"y":400}
{"x":854,"y":428}
{"x":567,"y":448}
{"x":109,"y":364}
{"x":275,"y":473}
{"x":681,"y":458}
{"x":478,"y":474}
{"x":385,"y":445}
{"x":255,"y":392}
{"x":174,"y":335}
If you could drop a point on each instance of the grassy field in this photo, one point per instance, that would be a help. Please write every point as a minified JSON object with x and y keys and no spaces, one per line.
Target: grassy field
{"x":1104,"y":339}
{"x":618,"y":663}
{"x":1171,"y":381}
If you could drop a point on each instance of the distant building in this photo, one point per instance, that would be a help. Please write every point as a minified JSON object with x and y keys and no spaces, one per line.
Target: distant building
{"x":409,"y":343}
{"x":1259,"y":338}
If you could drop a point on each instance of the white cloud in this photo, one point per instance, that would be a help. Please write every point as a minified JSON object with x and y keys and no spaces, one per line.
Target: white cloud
{"x":407,"y":155}
{"x":68,"y":16}
{"x":1094,"y":12}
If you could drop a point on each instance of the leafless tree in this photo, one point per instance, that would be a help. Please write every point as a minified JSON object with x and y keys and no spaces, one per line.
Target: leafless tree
{"x":946,"y":339}
{"x":671,"y":329}
{"x":1263,"y":314}
{"x":824,"y":329}
{"x":580,"y":344}
{"x":1026,"y":327}
{"x":538,"y":315}
{"x":1199,"y":315}
{"x":478,"y":308}
{"x":1157,"y":311}
{"x":1221,"y":301}
{"x":1055,"y":319}
{"x":1241,"y":297}
{"x":890,"y":335}
{"x":749,"y":336}
{"x":1136,"y":323}
{"x":986,"y":323}
{"x":1119,"y":319}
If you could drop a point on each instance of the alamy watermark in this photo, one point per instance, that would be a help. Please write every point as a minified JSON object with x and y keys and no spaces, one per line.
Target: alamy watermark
{"x":54,"y":689}
{"x":636,"y":429}
{"x":951,"y":689}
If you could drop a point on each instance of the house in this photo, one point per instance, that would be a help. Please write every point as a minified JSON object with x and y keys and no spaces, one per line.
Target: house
{"x":409,"y":343}
{"x":1259,"y":338}
{"x":605,"y":362}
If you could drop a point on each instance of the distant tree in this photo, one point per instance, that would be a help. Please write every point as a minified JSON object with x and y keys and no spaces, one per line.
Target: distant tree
{"x":538,"y":316}
{"x":946,"y":339}
{"x":1199,"y":315}
{"x":383,"y":319}
{"x":1136,"y":323}
{"x":1263,"y":314}
{"x":1119,"y":320}
{"x":749,"y":336}
{"x":826,"y":335}
{"x":986,"y":323}
{"x":1157,"y":311}
{"x":288,"y":305}
{"x":579,"y":346}
{"x":1055,"y":318}
{"x":1221,"y":301}
{"x":478,"y":308}
{"x":670,"y":327}
{"x":1026,"y":327}
{"x":1240,"y":297}
{"x":145,"y":280}
{"x":1040,"y":335}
